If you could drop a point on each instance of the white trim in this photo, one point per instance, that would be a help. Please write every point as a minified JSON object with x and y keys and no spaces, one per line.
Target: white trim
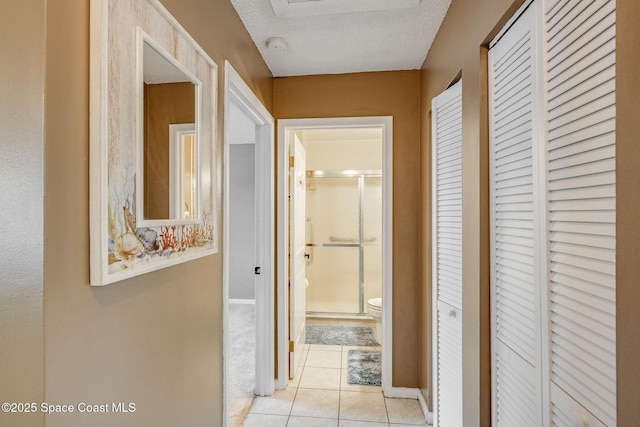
{"x":386,"y":124}
{"x":428,"y":416}
{"x":283,"y":8}
{"x":434,"y":265}
{"x":238,"y":301}
{"x":237,"y":91}
{"x":510,"y":23}
{"x":176,"y":160}
{"x":401,"y":392}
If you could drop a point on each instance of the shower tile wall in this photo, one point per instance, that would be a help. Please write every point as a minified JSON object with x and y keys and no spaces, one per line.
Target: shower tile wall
{"x":333,"y":217}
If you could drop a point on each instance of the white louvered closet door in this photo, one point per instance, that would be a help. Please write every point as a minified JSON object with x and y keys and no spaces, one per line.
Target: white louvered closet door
{"x":515,"y":226}
{"x":580,"y":149}
{"x":447,"y":256}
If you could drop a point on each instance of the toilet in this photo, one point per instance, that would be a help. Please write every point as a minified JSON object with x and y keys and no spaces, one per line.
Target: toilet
{"x":374,"y":309}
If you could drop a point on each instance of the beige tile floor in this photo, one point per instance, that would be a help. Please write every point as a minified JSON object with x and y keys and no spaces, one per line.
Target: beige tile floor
{"x":320,"y":396}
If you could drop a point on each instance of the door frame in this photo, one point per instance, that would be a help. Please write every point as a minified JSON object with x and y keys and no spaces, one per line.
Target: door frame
{"x":236,"y":91}
{"x":284,"y":127}
{"x":297,"y":261}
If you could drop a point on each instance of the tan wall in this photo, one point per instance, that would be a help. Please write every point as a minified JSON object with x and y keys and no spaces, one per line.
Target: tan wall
{"x":627,"y":206}
{"x":21,"y":206}
{"x":468,"y":26}
{"x":155,"y":340}
{"x":394,"y":94}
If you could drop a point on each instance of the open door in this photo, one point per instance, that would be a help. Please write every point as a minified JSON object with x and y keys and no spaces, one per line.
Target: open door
{"x":297,"y":287}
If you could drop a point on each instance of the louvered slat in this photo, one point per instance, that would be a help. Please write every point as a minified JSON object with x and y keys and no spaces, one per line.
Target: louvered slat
{"x":509,"y":168}
{"x":447,"y":256}
{"x":448,"y":200}
{"x":566,"y":412}
{"x":515,"y":391}
{"x":515,"y":307}
{"x":580,"y":146}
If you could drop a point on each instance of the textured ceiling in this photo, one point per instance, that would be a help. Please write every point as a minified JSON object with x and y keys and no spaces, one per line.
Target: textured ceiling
{"x":328,"y":41}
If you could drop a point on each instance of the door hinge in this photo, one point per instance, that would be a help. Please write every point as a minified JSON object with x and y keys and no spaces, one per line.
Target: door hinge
{"x":291,"y":346}
{"x":256,"y":270}
{"x":291,"y":161}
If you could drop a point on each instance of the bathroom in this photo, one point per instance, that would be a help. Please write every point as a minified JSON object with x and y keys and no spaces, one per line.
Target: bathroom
{"x":343,"y":226}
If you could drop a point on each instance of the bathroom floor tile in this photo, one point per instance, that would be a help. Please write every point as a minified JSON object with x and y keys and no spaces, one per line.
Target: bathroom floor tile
{"x":279,"y":403}
{"x":362,"y":406}
{"x":352,"y":423}
{"x":312,"y":422}
{"x":262,"y":420}
{"x":316,"y":403}
{"x":323,"y":347}
{"x":320,"y":378}
{"x":324,"y":359}
{"x":405,"y":411}
{"x":320,"y":396}
{"x":295,"y":381}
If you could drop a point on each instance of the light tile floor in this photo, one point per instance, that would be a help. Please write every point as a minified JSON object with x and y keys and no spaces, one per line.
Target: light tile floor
{"x":320,"y":396}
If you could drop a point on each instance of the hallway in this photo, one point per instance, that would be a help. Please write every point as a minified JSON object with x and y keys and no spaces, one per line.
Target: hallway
{"x":320,"y":396}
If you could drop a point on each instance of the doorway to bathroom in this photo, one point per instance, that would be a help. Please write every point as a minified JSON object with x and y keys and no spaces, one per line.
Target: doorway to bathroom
{"x":248,"y":257}
{"x":343,"y":221}
{"x":346,"y":223}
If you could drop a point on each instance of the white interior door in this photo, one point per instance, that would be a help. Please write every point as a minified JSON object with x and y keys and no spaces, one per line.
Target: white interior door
{"x":580,"y":148}
{"x":515,"y":247}
{"x":297,"y":288}
{"x":447,"y":256}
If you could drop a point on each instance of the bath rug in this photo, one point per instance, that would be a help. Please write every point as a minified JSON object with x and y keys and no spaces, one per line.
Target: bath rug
{"x":364,"y":367}
{"x":361,"y":336}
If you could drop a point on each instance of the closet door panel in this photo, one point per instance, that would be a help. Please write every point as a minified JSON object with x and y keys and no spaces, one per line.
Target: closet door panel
{"x":447,"y":165}
{"x":514,"y":224}
{"x":447,"y":256}
{"x":580,"y":167}
{"x":449,"y":365}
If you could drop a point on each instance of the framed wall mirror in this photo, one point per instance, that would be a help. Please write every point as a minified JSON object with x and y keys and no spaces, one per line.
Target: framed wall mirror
{"x":168,"y":144}
{"x":153,"y":109}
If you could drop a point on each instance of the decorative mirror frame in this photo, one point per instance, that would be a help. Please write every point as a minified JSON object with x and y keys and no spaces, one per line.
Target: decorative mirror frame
{"x":120,"y":249}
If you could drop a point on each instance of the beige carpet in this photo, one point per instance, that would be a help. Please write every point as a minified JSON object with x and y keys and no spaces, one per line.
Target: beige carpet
{"x":242,"y":361}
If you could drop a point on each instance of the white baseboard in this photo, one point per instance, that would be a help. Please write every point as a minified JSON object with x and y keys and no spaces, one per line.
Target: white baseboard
{"x":401,"y":392}
{"x":428,"y":416}
{"x":242,"y":301}
{"x":410,"y":393}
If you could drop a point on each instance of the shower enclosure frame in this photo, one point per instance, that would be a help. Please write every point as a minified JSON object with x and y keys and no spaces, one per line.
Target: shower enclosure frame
{"x":360,"y":241}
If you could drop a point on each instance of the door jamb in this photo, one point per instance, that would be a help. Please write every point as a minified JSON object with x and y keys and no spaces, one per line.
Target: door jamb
{"x":284,"y":126}
{"x":238,"y":92}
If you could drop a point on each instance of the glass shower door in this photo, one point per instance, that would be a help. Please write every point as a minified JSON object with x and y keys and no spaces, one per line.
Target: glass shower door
{"x":333,"y":244}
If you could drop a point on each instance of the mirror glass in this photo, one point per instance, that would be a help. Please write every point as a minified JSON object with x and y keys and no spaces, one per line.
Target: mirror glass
{"x":170,"y":181}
